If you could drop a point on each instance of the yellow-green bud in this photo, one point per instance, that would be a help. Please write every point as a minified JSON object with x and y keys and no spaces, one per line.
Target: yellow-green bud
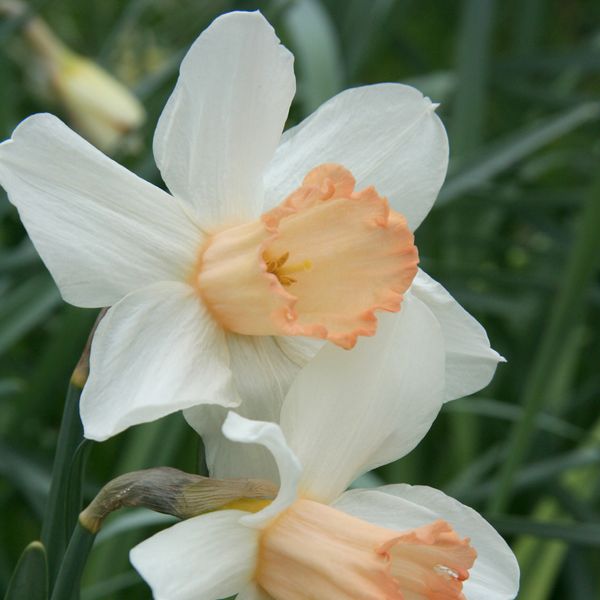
{"x":101,"y":108}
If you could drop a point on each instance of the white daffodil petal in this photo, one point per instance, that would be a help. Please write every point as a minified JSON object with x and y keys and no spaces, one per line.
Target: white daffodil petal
{"x":239,"y":429}
{"x":224,"y":119}
{"x":263,"y":369}
{"x":495,"y":574}
{"x":208,"y":557}
{"x":470,"y":362}
{"x":155,"y":352}
{"x":224,"y":458}
{"x":101,"y":230}
{"x":350,"y":411}
{"x":388,"y":135}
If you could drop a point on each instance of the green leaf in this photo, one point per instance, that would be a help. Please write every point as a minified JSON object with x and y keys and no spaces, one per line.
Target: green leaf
{"x":30,"y":577}
{"x":10,"y":386}
{"x":501,"y":156}
{"x":540,"y":560}
{"x":68,"y":580}
{"x":565,"y":315}
{"x":26,"y":307}
{"x":74,"y":495}
{"x":315,"y":44}
{"x":539,"y":472}
{"x":118,"y":583}
{"x":372,"y":27}
{"x":528,"y":26}
{"x":57,"y":523}
{"x":28,"y":476}
{"x":470,"y":101}
{"x":587,"y":534}
{"x":24,"y":255}
{"x":487,"y":407}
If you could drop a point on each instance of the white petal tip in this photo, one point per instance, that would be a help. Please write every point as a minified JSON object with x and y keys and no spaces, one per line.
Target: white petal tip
{"x":98,"y":435}
{"x":239,"y":429}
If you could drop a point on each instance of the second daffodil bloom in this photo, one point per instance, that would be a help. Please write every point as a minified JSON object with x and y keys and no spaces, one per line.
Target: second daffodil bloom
{"x":317,"y":541}
{"x":265,"y":244}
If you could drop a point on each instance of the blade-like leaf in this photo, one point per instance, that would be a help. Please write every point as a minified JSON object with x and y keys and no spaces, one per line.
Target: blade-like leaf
{"x":587,"y":534}
{"x":316,"y":47}
{"x":29,"y":580}
{"x":509,"y":152}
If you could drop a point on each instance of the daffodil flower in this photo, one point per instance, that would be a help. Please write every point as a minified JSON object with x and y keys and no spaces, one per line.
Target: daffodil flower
{"x":316,"y":540}
{"x":266,"y":246}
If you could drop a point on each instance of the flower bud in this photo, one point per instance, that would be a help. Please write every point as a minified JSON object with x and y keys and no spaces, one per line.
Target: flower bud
{"x":101,"y":108}
{"x":82,"y":368}
{"x":170,"y":491}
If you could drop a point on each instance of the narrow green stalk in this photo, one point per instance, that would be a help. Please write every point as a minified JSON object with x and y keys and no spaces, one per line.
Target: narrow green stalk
{"x":475,"y":40}
{"x":467,"y":132}
{"x":62,"y":509}
{"x":565,"y":312}
{"x":68,"y":580}
{"x":56,"y":529}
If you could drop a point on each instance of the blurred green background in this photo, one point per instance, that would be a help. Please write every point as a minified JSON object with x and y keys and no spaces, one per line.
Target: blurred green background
{"x":515,"y":236}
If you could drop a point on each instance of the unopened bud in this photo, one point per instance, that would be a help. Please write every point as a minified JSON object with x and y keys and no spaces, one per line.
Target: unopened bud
{"x":172,"y":492}
{"x":101,"y":108}
{"x":82,"y":369}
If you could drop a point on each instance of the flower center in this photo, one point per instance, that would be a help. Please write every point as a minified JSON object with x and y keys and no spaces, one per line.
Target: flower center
{"x":283,"y":270}
{"x":320,"y":264}
{"x":315,"y":551}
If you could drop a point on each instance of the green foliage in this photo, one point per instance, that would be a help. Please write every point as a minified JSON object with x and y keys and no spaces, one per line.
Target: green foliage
{"x":513,"y":237}
{"x":30,"y":578}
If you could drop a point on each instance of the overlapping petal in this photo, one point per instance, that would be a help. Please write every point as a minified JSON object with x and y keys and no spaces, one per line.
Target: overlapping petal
{"x":155,"y":352}
{"x":263,"y":369}
{"x":348,"y":412}
{"x":470,"y":361}
{"x":269,"y":435}
{"x":387,"y":135}
{"x":101,"y":230}
{"x":495,"y":575}
{"x":224,"y":119}
{"x":204,"y":558}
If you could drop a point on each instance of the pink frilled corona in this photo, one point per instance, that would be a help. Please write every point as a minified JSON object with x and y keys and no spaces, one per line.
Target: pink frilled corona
{"x":319,"y":265}
{"x":268,"y":246}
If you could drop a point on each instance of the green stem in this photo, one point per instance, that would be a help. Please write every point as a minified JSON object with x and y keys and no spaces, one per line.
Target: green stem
{"x":57,"y":526}
{"x":476,"y":36}
{"x":565,"y":313}
{"x":64,"y":499}
{"x":68,"y":580}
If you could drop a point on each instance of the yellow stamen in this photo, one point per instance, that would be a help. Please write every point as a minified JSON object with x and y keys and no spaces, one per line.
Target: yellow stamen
{"x":282,"y":271}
